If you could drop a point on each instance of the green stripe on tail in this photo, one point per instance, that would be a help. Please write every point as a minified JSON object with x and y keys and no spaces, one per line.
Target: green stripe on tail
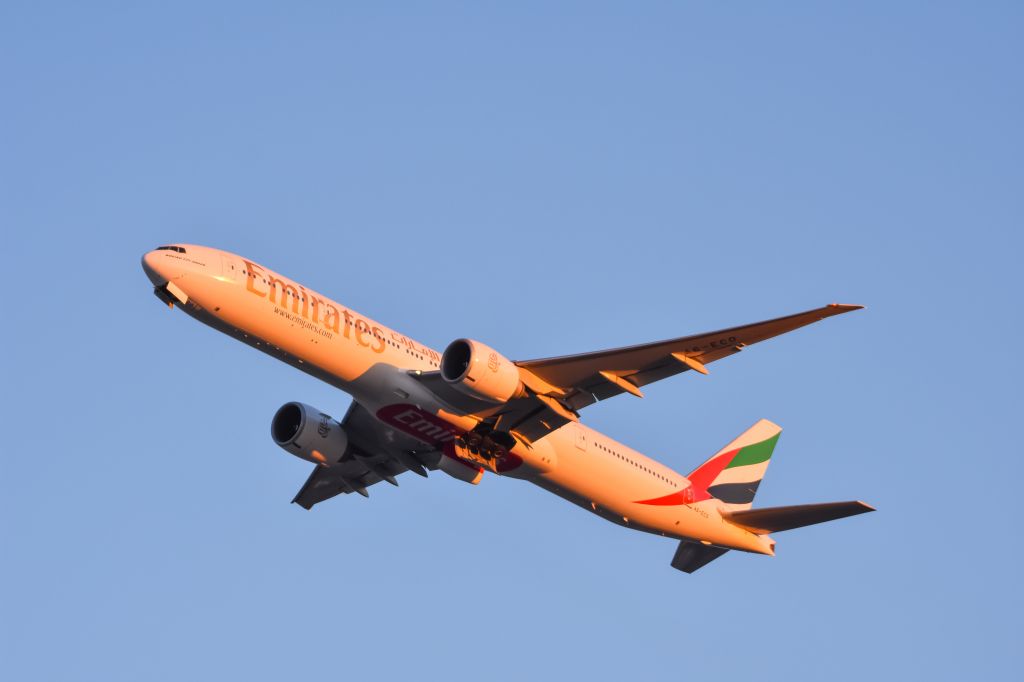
{"x":754,"y":454}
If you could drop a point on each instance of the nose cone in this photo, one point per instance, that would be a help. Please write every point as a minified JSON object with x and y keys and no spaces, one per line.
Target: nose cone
{"x":160,"y":268}
{"x":151,"y":266}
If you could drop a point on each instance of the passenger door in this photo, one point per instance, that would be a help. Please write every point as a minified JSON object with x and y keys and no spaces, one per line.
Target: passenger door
{"x":230,"y":268}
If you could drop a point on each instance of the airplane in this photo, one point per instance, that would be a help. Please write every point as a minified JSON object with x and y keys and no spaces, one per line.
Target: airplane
{"x":470,"y":410}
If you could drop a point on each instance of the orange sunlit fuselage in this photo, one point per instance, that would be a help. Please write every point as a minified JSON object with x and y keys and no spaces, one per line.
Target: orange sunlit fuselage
{"x":372,"y":363}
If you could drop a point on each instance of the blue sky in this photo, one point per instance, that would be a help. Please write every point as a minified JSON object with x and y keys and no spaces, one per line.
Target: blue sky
{"x":548,"y":179}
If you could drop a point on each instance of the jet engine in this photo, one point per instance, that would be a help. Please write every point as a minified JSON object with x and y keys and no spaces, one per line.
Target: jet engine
{"x":309,"y":434}
{"x":480,"y":372}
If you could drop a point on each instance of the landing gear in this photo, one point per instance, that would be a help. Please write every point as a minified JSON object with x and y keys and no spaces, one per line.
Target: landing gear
{"x":486,"y":445}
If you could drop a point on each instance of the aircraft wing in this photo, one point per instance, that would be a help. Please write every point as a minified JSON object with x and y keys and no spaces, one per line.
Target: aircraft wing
{"x":590,"y":377}
{"x":560,"y":387}
{"x":376,"y":453}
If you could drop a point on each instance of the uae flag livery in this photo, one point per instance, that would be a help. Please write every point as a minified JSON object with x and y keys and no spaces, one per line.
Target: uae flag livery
{"x":733,"y":474}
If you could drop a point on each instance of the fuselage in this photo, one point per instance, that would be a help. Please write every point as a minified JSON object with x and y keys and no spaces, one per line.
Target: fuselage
{"x":372,"y":363}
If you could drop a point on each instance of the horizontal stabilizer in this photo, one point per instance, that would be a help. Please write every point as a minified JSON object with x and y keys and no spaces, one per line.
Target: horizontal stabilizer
{"x":690,"y":556}
{"x":775,"y":519}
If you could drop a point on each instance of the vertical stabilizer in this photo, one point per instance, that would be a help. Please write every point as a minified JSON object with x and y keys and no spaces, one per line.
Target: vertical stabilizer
{"x":733,"y":474}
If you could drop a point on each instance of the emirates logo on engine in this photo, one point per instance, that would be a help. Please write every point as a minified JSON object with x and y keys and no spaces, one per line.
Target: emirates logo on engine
{"x":493,"y":362}
{"x":324,"y":427}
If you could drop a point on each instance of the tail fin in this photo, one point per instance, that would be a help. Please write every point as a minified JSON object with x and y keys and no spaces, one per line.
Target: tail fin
{"x":733,"y":474}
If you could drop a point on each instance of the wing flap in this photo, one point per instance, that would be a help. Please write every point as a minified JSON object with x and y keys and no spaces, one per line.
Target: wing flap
{"x":347,"y":476}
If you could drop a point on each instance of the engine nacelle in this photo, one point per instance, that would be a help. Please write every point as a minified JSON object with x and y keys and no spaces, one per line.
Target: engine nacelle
{"x":481,"y":372}
{"x":309,"y":434}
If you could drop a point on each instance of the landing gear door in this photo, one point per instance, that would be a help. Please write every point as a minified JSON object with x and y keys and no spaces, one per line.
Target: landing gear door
{"x":581,"y":437}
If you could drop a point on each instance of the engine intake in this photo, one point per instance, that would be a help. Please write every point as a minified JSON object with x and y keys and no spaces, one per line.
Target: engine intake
{"x":481,"y":372}
{"x":308,"y":433}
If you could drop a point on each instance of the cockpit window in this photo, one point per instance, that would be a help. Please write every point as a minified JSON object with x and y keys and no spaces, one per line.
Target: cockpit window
{"x":177,"y":249}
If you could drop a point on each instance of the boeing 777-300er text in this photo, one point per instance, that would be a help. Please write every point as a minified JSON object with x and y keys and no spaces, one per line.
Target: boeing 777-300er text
{"x":470,"y":410}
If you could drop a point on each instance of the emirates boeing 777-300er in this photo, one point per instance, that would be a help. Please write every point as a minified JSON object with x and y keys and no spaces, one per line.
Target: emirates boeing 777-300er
{"x":470,"y":410}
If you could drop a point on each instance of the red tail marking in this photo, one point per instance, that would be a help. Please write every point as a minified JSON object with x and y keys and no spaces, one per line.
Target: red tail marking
{"x":704,"y":475}
{"x":701,"y":478}
{"x":685,"y":496}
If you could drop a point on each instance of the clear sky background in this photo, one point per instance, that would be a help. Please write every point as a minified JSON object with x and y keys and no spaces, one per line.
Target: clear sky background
{"x":549,"y":179}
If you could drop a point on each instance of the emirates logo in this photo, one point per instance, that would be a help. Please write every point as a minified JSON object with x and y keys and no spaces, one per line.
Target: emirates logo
{"x":493,"y":362}
{"x":324,"y":427}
